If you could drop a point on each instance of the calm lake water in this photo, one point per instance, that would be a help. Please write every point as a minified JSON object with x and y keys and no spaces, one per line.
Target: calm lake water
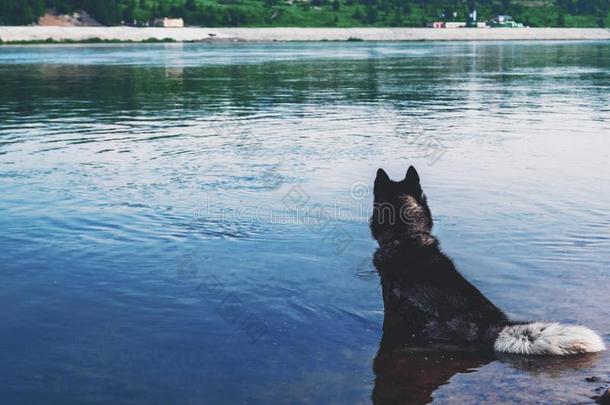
{"x":187,"y":223}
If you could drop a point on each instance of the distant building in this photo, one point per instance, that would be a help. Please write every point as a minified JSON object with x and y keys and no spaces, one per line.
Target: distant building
{"x":454,"y":24}
{"x":441,"y":24}
{"x":472,"y":18}
{"x":505,"y":21}
{"x":169,"y":22}
{"x":436,"y":24}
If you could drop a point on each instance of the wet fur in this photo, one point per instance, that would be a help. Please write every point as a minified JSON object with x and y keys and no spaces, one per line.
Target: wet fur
{"x":426,"y":300}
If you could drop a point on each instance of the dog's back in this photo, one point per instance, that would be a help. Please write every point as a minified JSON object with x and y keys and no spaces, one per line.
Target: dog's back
{"x":426,"y":300}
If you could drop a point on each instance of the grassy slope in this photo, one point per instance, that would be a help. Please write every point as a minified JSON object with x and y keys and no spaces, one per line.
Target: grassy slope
{"x":301,"y":13}
{"x":534,"y":13}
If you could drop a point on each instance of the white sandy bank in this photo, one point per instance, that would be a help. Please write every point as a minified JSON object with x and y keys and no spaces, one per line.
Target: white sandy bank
{"x":38,"y":33}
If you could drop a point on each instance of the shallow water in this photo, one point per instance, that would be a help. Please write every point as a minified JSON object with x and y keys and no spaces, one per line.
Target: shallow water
{"x":186,"y":223}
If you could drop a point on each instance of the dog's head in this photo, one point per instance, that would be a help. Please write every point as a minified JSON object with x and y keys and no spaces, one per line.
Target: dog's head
{"x":400,"y":209}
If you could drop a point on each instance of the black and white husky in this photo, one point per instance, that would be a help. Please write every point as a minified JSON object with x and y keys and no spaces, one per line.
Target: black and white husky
{"x":427,"y":301}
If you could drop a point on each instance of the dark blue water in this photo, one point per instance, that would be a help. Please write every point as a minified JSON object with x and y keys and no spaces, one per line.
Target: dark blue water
{"x":188,"y":223}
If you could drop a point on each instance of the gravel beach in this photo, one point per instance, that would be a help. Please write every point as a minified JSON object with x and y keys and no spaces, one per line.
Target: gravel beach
{"x":39,"y":33}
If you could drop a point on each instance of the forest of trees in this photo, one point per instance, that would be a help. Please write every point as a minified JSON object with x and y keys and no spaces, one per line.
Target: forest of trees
{"x":307,"y":13}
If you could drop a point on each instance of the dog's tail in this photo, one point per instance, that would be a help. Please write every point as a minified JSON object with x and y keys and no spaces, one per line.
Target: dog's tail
{"x":542,"y":338}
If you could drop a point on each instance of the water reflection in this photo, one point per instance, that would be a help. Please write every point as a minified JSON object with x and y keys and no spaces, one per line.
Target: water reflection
{"x":405,"y":375}
{"x":550,"y":366}
{"x":412,"y":375}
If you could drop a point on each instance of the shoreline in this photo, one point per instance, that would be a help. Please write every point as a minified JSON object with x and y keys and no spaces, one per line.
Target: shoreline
{"x":38,"y":34}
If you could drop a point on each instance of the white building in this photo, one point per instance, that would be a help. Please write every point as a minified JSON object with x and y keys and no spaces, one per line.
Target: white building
{"x":453,"y":24}
{"x":169,"y":22}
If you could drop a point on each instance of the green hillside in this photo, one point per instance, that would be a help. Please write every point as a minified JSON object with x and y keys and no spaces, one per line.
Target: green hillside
{"x":315,"y":13}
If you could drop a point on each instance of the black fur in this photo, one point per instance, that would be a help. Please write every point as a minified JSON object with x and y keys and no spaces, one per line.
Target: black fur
{"x":426,"y":299}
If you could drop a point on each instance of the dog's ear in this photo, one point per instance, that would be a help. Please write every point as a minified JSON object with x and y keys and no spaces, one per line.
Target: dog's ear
{"x":382,"y":176}
{"x":412,"y":177}
{"x":382,"y":179}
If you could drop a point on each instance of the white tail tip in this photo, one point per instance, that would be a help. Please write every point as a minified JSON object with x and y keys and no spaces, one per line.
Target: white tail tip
{"x":543,"y":338}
